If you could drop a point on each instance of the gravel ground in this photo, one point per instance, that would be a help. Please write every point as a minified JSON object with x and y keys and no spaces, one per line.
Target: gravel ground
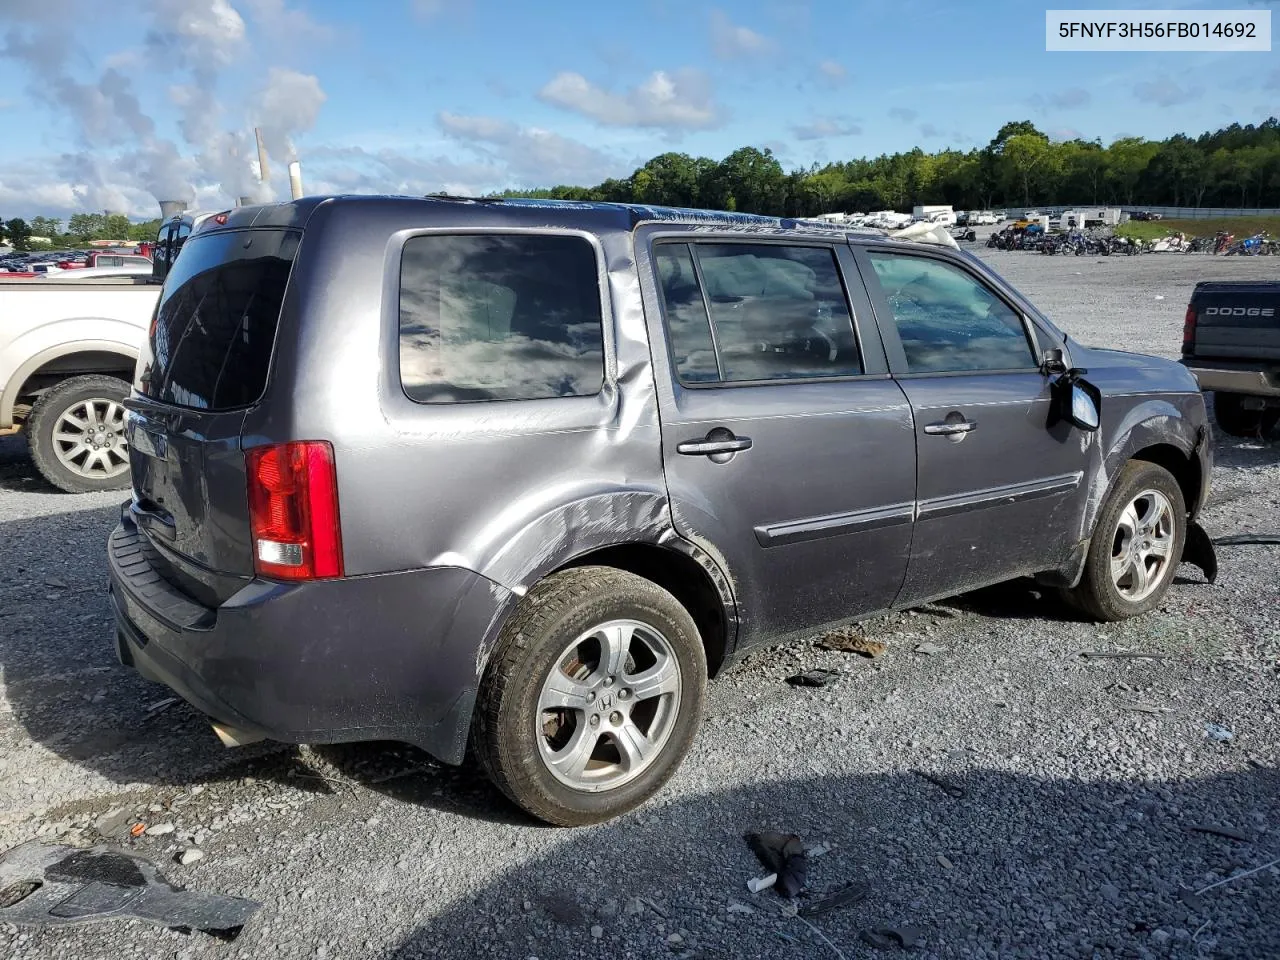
{"x":1072,"y":837}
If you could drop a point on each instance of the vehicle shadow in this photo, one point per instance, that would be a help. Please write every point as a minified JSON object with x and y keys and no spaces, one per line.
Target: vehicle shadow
{"x":17,"y":472}
{"x":1018,"y":866}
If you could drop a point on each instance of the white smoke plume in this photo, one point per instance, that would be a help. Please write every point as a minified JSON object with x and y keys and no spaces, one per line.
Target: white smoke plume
{"x":121,"y":155}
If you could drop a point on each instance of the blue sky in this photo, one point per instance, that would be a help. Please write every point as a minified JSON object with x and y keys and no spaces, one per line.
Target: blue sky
{"x":104,"y":106}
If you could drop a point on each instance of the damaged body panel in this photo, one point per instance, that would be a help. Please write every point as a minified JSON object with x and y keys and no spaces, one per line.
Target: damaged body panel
{"x":758,"y":415}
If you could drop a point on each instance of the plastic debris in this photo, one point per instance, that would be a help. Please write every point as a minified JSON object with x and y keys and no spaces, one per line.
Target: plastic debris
{"x":1221,"y":831}
{"x":1145,"y":708}
{"x":137,"y":830}
{"x":813,"y":678}
{"x":1123,"y":655}
{"x":1197,"y":550}
{"x":783,"y":853}
{"x":883,"y":938}
{"x":1218,"y":732}
{"x":846,"y":896}
{"x":48,"y":886}
{"x":1242,"y":539}
{"x":946,"y":786}
{"x":756,"y":884}
{"x":929,"y":649}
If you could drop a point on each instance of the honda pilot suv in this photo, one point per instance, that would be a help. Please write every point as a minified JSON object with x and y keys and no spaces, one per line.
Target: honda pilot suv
{"x":523,"y":474}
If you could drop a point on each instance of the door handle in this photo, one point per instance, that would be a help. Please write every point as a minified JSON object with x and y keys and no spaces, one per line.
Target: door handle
{"x":712,"y":446}
{"x":950,"y":428}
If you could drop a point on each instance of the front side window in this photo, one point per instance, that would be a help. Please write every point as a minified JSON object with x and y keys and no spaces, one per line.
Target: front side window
{"x":499,"y":317}
{"x":949,"y":322}
{"x":740,"y":312}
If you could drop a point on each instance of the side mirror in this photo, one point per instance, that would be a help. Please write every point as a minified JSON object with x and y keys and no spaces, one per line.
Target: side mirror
{"x":1077,"y":401}
{"x":1051,"y":362}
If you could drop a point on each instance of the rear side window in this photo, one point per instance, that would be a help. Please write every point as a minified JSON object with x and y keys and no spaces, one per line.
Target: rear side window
{"x":214,"y":327}
{"x":499,"y":317}
{"x":741,"y":312}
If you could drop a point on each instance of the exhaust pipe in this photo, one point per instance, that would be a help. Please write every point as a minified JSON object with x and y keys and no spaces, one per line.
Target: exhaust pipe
{"x":171,"y":208}
{"x":234,"y":736}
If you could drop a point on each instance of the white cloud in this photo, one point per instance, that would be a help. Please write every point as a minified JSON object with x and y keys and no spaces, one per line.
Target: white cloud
{"x":1165,"y":92}
{"x":209,"y":32}
{"x":531,"y":156}
{"x":288,"y":104}
{"x":831,"y":73}
{"x":356,"y":170}
{"x":820,"y":128}
{"x":729,"y":41}
{"x":285,"y":24}
{"x":678,"y":100}
{"x":905,"y":114}
{"x":1068,"y":98}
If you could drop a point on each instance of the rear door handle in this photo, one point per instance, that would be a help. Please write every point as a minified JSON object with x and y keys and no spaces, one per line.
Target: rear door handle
{"x":949,"y":428}
{"x":709,"y":447}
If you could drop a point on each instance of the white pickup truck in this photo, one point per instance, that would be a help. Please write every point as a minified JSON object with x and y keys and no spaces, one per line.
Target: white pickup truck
{"x":68,"y":346}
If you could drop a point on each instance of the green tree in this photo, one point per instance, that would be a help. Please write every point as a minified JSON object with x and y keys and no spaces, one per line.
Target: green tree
{"x":115,"y":226}
{"x":1127,"y":162}
{"x":1026,"y":158}
{"x":50,"y":227}
{"x":18,"y":233}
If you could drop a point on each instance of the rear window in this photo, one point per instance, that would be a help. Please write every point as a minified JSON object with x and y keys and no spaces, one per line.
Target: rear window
{"x":210,"y":342}
{"x":499,"y":317}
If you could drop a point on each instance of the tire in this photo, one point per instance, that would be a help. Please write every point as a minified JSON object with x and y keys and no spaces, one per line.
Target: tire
{"x":556,"y":625}
{"x":80,"y":468}
{"x":1104,"y":596}
{"x":1233,"y":419}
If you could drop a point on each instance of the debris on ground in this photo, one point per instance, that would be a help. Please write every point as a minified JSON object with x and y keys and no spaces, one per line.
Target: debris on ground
{"x":159,"y":830}
{"x":1219,"y":830}
{"x":1243,"y":539}
{"x":189,"y":856}
{"x":160,"y":706}
{"x":1124,"y":655}
{"x":1197,"y":550}
{"x":851,"y":640}
{"x":946,"y":786}
{"x":944,"y":862}
{"x":757,"y":884}
{"x":929,"y":649}
{"x":883,"y":938}
{"x":782,"y":853}
{"x":813,"y":678}
{"x":137,"y":830}
{"x":49,"y":885}
{"x":846,"y":896}
{"x":1145,"y":708}
{"x":1218,"y":732}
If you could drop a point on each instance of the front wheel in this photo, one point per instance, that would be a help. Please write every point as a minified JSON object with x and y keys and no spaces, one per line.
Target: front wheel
{"x":1136,"y":545}
{"x":76,"y":434}
{"x":593,"y":696}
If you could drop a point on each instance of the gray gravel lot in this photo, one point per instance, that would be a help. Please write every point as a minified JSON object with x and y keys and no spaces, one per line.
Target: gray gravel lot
{"x":1072,"y":838}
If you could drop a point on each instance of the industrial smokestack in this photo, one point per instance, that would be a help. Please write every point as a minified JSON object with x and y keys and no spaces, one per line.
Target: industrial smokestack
{"x":264,"y":172}
{"x":171,"y":208}
{"x":295,"y":180}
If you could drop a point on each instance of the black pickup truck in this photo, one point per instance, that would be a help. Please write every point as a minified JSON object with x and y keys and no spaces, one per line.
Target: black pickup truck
{"x":1231,"y":342}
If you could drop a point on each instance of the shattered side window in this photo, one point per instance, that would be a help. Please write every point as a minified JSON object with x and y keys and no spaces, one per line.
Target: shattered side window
{"x":949,"y":322}
{"x":499,"y":317}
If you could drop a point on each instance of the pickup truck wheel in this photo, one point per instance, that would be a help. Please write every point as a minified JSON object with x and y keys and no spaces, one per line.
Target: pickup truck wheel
{"x":76,"y":434}
{"x":593,"y":696}
{"x":1136,"y":545}
{"x":1235,"y":419}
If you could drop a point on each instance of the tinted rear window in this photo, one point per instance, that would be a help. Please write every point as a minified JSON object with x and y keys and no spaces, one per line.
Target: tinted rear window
{"x":210,"y":343}
{"x":499,"y":317}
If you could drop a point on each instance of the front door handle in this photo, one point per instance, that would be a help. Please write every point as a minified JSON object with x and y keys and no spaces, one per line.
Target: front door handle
{"x":950,"y":428}
{"x":711,"y":446}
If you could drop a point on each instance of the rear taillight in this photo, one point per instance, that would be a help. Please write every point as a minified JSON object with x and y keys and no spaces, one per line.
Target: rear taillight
{"x":293,"y":511}
{"x":1189,"y":329}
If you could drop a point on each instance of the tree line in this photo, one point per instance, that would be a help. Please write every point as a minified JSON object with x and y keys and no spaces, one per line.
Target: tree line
{"x":80,"y":229}
{"x":1237,"y":166}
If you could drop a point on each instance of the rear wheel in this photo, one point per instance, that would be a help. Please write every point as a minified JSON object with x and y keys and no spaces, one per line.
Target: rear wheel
{"x":1237,"y":420}
{"x":76,"y":434}
{"x":593,"y":697}
{"x":1136,"y":545}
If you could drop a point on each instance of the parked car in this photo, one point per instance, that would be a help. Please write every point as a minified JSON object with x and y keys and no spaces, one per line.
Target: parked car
{"x":1231,"y":342}
{"x":68,"y":343}
{"x":984,"y":218}
{"x":529,"y":474}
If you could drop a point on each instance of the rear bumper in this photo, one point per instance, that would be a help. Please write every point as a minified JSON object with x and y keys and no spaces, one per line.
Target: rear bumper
{"x":1235,"y":378}
{"x":394,"y":656}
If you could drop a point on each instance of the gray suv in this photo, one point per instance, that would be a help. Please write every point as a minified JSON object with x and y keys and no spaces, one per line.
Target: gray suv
{"x":523,"y":474}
